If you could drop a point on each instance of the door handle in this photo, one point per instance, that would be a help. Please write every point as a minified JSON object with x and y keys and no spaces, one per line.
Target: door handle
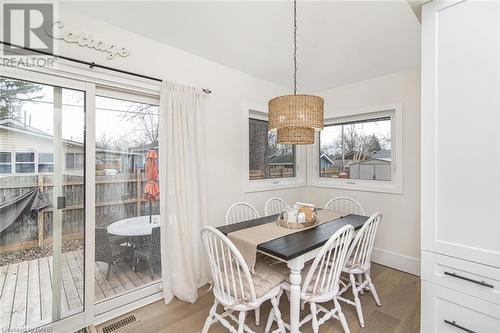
{"x":482,"y":283}
{"x":454,"y":324}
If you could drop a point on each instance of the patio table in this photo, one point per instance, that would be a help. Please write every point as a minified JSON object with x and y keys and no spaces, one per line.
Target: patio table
{"x":134,"y":226}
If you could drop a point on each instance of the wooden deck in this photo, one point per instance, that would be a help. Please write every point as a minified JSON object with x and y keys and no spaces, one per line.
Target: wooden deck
{"x":26,"y":288}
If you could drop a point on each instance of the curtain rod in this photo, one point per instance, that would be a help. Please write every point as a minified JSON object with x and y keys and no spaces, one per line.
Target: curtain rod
{"x":90,"y":64}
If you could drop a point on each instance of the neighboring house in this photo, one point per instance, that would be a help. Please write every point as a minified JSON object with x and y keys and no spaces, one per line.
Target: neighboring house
{"x":27,"y":150}
{"x":326,"y":162}
{"x":378,"y":167}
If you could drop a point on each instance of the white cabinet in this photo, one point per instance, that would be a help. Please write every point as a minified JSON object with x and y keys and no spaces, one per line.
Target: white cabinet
{"x":460,"y":189}
{"x":461,"y":129}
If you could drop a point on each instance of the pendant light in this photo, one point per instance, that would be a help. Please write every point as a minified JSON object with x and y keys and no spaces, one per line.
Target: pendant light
{"x":296,"y":117}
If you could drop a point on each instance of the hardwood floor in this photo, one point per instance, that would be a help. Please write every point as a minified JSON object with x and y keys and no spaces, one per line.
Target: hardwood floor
{"x":400,"y":312}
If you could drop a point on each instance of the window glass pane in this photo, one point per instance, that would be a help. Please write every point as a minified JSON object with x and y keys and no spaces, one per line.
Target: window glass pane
{"x":126,"y":133}
{"x":357,"y":150}
{"x":25,"y":168}
{"x":267,"y":158}
{"x":70,"y":161}
{"x":25,"y":157}
{"x":45,"y":158}
{"x":5,"y":168}
{"x":45,"y":167}
{"x":5,"y":157}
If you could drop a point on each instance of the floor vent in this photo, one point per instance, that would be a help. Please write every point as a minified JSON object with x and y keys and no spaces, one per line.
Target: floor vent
{"x":119,"y":323}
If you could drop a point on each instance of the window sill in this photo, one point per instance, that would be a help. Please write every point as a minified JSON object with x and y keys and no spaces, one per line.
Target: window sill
{"x":272,"y":184}
{"x":353,"y":185}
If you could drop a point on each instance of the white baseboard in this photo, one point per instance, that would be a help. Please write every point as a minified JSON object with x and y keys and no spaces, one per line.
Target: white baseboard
{"x":396,"y":261}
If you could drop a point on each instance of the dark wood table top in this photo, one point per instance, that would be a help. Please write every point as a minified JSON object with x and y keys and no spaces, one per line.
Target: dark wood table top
{"x":291,"y":246}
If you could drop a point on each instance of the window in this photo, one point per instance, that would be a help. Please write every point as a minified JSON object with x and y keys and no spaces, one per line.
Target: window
{"x":5,"y":162}
{"x":268,"y":159}
{"x":45,"y":162}
{"x":360,"y":152}
{"x":74,"y":160}
{"x":356,"y":150}
{"x":25,"y":162}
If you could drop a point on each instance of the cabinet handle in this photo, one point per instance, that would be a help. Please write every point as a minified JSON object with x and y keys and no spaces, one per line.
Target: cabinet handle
{"x":482,"y":283}
{"x":454,"y":324}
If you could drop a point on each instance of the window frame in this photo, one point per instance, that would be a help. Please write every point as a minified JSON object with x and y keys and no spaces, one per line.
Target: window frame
{"x":395,"y":185}
{"x":257,"y":185}
{"x":11,"y":163}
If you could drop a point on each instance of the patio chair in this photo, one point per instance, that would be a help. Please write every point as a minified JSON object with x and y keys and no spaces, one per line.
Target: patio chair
{"x":102,"y":221}
{"x":106,"y":251}
{"x":150,"y":252}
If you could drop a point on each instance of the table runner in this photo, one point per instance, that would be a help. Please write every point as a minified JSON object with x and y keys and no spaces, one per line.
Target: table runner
{"x":247,"y":240}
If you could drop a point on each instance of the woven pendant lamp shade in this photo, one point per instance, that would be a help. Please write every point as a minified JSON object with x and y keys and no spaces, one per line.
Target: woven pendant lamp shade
{"x":296,"y":118}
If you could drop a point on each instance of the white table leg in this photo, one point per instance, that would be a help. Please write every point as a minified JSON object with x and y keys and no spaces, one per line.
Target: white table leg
{"x":295,"y":266}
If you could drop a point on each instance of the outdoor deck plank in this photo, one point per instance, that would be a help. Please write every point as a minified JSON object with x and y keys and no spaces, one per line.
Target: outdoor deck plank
{"x":7,"y":299}
{"x":64,"y":300}
{"x":105,"y":285}
{"x":76,"y":275}
{"x":69,"y":287}
{"x":18,"y":319}
{"x":46,"y":288}
{"x":33,"y":314}
{"x":113,"y":280}
{"x":122,"y":277}
{"x":3,"y":277}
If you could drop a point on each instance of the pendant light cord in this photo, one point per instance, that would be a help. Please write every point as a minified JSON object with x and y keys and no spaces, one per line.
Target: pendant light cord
{"x":295,"y":47}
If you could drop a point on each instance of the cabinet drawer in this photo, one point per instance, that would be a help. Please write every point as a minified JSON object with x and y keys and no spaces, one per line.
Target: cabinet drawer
{"x":448,"y":311}
{"x":468,"y":277}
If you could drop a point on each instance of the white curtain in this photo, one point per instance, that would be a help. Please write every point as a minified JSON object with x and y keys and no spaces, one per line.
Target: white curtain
{"x":183,"y":210}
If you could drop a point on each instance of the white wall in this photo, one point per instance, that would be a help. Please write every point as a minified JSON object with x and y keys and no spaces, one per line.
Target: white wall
{"x":398,"y":239}
{"x":224,"y":107}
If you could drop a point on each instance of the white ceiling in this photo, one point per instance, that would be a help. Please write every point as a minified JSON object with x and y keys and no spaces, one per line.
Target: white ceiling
{"x":339,"y":41}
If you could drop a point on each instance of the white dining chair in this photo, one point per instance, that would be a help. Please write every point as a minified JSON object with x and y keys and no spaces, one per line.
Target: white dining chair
{"x":241,"y":211}
{"x":345,"y":205}
{"x":321,"y":284}
{"x":235,"y":288}
{"x":358,"y":265}
{"x":274,"y":206}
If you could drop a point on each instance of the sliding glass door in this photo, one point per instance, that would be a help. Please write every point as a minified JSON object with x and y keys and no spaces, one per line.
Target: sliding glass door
{"x":42,"y":207}
{"x":127,"y":209}
{"x":79,"y":201}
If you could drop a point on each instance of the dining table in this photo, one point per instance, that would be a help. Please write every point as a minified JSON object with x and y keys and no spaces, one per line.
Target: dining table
{"x":296,"y":249}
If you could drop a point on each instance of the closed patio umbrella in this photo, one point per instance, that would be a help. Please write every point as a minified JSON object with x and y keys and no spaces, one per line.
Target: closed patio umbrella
{"x":151,"y":190}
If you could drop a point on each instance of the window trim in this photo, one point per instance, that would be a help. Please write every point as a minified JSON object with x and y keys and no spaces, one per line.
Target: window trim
{"x":257,"y":185}
{"x":395,"y":112}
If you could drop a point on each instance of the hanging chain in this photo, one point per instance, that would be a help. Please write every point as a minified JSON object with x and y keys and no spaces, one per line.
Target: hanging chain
{"x":295,"y":47}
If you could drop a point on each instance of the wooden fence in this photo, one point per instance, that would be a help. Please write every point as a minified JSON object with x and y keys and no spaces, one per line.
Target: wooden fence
{"x":273,"y":173}
{"x":119,"y":194}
